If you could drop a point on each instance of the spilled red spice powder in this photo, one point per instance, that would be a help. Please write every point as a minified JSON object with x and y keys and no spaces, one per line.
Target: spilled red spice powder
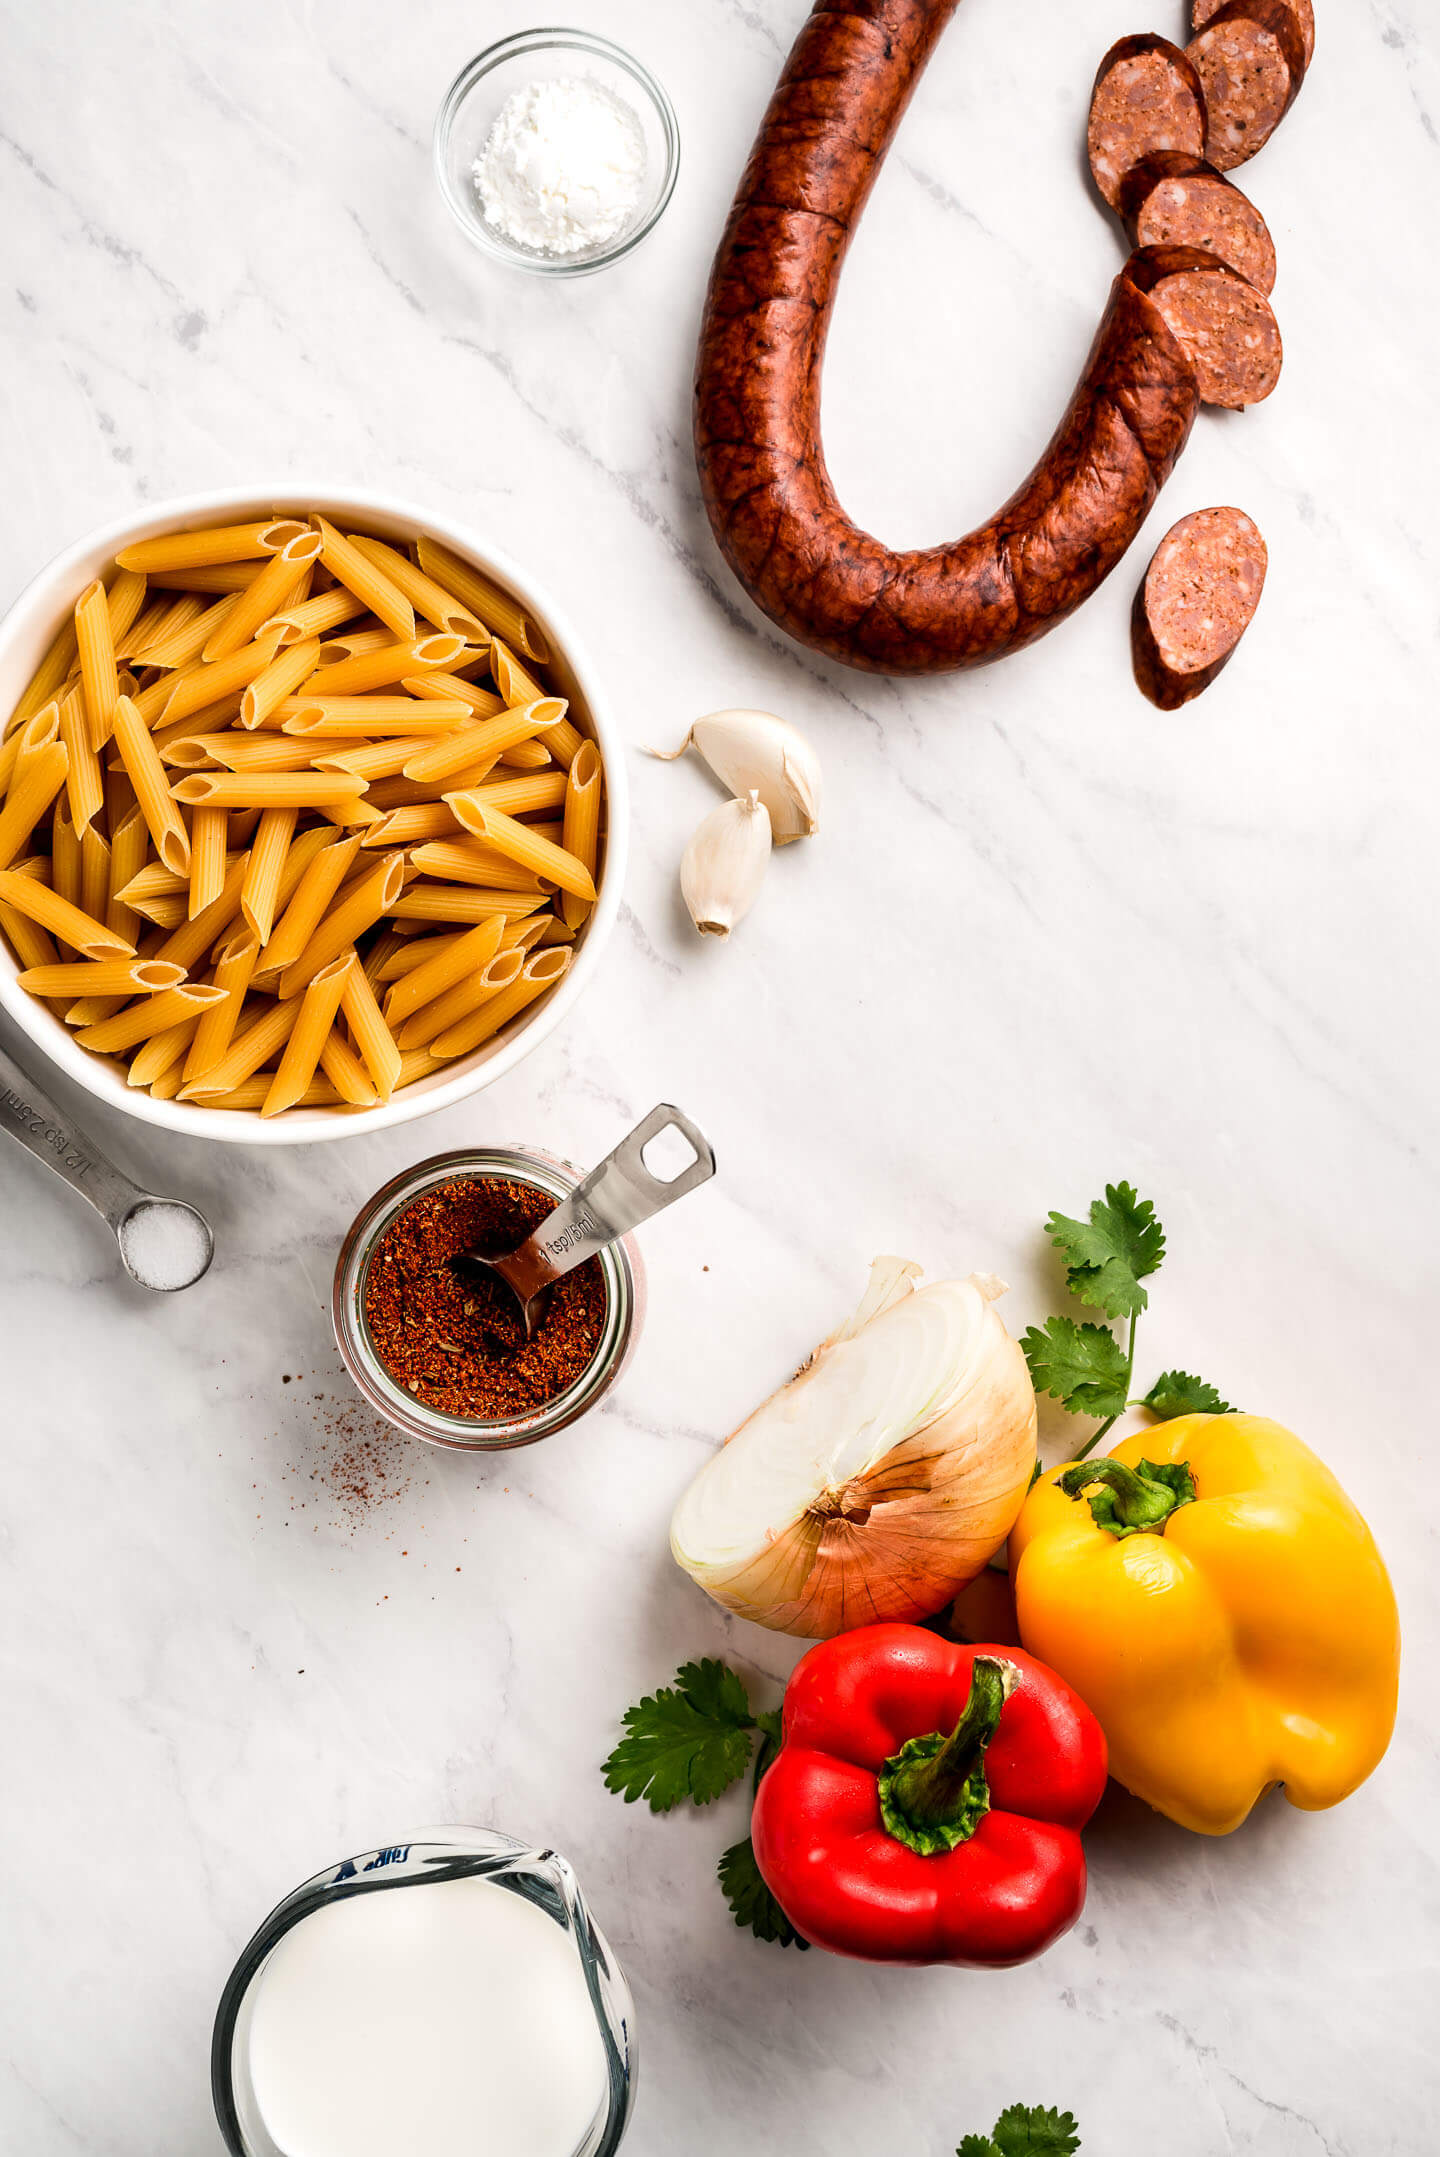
{"x":457,"y":1344}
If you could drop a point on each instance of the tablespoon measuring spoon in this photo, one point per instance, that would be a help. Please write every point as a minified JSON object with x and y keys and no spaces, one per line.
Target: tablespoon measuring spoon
{"x":164,"y":1244}
{"x":614,"y":1198}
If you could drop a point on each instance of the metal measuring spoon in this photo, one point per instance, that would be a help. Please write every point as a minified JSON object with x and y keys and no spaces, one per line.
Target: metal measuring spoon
{"x":614,"y":1198}
{"x":164,"y":1244}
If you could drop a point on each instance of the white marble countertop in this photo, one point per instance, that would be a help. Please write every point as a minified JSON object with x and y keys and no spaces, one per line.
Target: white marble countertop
{"x":1047,"y":938}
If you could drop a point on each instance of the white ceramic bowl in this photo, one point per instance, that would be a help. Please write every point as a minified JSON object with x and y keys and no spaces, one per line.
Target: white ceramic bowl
{"x":25,"y":635}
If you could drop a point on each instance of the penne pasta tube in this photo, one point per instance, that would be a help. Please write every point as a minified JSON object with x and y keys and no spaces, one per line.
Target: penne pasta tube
{"x":523,"y":844}
{"x":510,"y":797}
{"x":147,"y":625}
{"x":310,"y":903}
{"x":205,"y":577}
{"x":424,"y":594}
{"x":154,"y":881}
{"x":186,"y":632}
{"x":403,"y":827}
{"x":327,"y":716}
{"x":89,"y":1010}
{"x":100,"y":977}
{"x":406,"y":953}
{"x":260,"y":890}
{"x":355,"y":675}
{"x":190,"y":940}
{"x":129,"y":846}
{"x":165,"y":911}
{"x":313,"y":617}
{"x":142,"y":1021}
{"x":418,"y":1064}
{"x":234,"y":965}
{"x":29,"y":942}
{"x":94,"y":872}
{"x":196,"y":550}
{"x":367,"y":760}
{"x":371,"y":636}
{"x":555,"y":931}
{"x":360,"y":575}
{"x":541,"y":970}
{"x":375,"y":1044}
{"x":271,"y":588}
{"x":30,"y":794}
{"x":123,"y":601}
{"x":84,"y":781}
{"x":208,"y":858}
{"x":483,"y":703}
{"x":487,"y":738}
{"x":496,"y":609}
{"x":270,"y":688}
{"x":99,"y":675}
{"x":462,"y":958}
{"x":525,"y":935}
{"x":462,"y":902}
{"x":471,"y":861}
{"x":458,"y":1001}
{"x":37,"y":733}
{"x":251,"y":1092}
{"x":50,"y":676}
{"x":316,"y":1016}
{"x":208,"y":683}
{"x":119,"y":799}
{"x":359,"y":907}
{"x":67,"y":863}
{"x":266,"y":789}
{"x":346,"y":1072}
{"x":161,"y":1058}
{"x":581,"y":827}
{"x":255,"y":1046}
{"x":526,"y":756}
{"x":147,"y":775}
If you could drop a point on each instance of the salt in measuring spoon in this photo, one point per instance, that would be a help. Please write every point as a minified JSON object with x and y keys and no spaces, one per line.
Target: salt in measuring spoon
{"x":614,"y":1198}
{"x":164,"y":1243}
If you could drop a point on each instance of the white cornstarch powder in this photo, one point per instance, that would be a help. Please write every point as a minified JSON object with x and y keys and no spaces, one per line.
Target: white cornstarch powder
{"x":563,"y":166}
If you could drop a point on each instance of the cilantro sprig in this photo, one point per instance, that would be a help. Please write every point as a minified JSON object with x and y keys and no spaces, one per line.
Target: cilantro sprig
{"x":1025,"y":2131}
{"x":1085,"y":1366}
{"x":694,"y":1739}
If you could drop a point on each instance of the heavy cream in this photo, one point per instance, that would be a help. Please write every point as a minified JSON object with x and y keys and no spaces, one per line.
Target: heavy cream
{"x":450,"y":2018}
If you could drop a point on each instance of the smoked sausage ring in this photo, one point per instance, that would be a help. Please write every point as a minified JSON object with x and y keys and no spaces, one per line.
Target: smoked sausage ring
{"x":774,"y":510}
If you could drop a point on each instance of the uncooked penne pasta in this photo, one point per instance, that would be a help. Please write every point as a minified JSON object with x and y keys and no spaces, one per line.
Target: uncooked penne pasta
{"x":313,"y":617}
{"x":260,"y":891}
{"x":311,"y":902}
{"x":355,"y":675}
{"x":321,"y":718}
{"x":98,"y":672}
{"x":123,"y":601}
{"x":359,"y":907}
{"x":40,"y":732}
{"x":582,"y":828}
{"x":343,"y":1067}
{"x":29,"y":942}
{"x":374,"y":1042}
{"x":367,"y":760}
{"x":405,"y":954}
{"x":472,"y":861}
{"x":486,"y":738}
{"x":272,"y":587}
{"x":526,"y":756}
{"x":30,"y":794}
{"x":274,"y":683}
{"x":186,"y":631}
{"x":424,"y":594}
{"x":483,"y":703}
{"x":459,"y":1001}
{"x":247,"y":1052}
{"x":161,"y":1056}
{"x":100,"y":977}
{"x":210,"y":682}
{"x":512,"y":797}
{"x":147,"y":625}
{"x":403,"y":827}
{"x":129,"y":845}
{"x":194,"y":550}
{"x":38,"y":903}
{"x":251,"y":1092}
{"x":461,"y":958}
{"x":94,"y":872}
{"x":213,"y":577}
{"x":361,"y":576}
{"x":462,"y":902}
{"x":494,"y":607}
{"x":266,"y":789}
{"x":522,"y":843}
{"x":148,"y":777}
{"x":142,"y":1021}
{"x":541,"y":970}
{"x":234,"y":965}
{"x":50,"y":676}
{"x":313,"y":1022}
{"x":84,"y":781}
{"x":207,"y":858}
{"x":188,"y":943}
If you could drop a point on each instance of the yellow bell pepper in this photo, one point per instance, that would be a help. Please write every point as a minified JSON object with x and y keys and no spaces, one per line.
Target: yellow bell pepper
{"x":1227,"y":1617}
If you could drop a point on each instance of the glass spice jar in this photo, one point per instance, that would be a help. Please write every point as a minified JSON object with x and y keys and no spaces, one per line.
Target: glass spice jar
{"x":621,"y":1271}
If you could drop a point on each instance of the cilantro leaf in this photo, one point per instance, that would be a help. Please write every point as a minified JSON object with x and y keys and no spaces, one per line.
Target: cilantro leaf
{"x":689,"y":1740}
{"x":751,"y":1900}
{"x":1176,"y":1393}
{"x":1082,"y":1366}
{"x":977,"y":2146}
{"x":1108,"y":1256}
{"x":1035,"y":2131}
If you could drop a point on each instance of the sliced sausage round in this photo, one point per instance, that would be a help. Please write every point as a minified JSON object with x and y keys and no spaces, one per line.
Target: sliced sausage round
{"x":1148,"y":96}
{"x":1226,"y":329}
{"x":1173,"y":200}
{"x":1250,"y":58}
{"x":1196,"y":603}
{"x":1202,"y":10}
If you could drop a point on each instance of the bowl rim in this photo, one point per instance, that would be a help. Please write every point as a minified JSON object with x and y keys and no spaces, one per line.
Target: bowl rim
{"x":43,"y":599}
{"x":512,"y":47}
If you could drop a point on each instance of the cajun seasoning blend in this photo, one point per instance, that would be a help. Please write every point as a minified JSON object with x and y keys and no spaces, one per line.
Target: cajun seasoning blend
{"x":444,"y":1356}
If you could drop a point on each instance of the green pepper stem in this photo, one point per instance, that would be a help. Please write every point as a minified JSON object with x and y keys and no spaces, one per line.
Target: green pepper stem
{"x":1133,"y":1502}
{"x":934,"y":1792}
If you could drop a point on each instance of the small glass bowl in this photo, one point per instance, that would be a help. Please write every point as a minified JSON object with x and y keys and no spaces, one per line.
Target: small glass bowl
{"x":450,"y":1853}
{"x":620,"y":1264}
{"x":474,"y":99}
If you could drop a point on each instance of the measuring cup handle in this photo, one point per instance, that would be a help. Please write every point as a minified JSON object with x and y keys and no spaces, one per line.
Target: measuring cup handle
{"x":29,"y":1115}
{"x":620,"y":1194}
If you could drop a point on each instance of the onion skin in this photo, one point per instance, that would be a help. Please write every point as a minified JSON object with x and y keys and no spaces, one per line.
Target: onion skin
{"x":901,"y":1540}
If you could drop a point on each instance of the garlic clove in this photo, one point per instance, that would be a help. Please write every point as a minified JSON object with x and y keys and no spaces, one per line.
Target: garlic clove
{"x":751,"y":751}
{"x":724,"y":865}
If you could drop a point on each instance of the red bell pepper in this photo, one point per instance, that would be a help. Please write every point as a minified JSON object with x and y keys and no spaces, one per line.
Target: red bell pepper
{"x":927,"y":1800}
